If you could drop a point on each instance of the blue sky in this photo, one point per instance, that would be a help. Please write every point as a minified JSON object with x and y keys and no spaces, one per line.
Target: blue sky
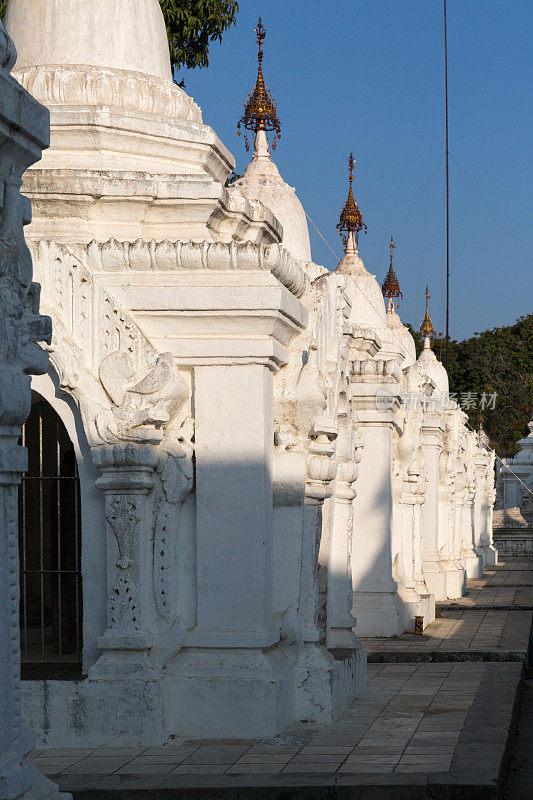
{"x":368,"y":77}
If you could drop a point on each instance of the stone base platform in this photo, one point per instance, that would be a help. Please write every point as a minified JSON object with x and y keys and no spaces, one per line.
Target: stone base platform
{"x":514,"y":542}
{"x":416,"y":725}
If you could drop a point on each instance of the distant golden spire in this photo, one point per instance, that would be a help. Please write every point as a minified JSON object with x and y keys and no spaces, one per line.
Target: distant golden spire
{"x":351,"y":219}
{"x":426,"y":329}
{"x":391,"y":285}
{"x":260,"y":108}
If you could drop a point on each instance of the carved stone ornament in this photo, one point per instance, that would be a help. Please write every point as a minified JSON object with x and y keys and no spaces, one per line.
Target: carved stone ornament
{"x":170,"y":256}
{"x":176,"y":473}
{"x":113,"y":88}
{"x":123,"y":517}
{"x":140,"y":408}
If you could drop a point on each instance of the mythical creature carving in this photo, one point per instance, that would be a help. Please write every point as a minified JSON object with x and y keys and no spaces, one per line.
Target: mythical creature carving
{"x":140,"y":408}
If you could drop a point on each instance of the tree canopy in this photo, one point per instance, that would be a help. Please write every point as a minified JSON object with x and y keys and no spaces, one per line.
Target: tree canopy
{"x":192,"y":25}
{"x":496,"y":364}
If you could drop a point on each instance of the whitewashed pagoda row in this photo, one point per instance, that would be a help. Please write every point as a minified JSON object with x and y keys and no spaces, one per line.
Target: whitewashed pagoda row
{"x":267,"y":472}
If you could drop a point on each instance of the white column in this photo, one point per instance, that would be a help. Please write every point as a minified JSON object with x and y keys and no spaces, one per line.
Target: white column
{"x":407,"y":510}
{"x":375,"y":601}
{"x":234,"y":448}
{"x":340,"y":620}
{"x":477,"y":510}
{"x":233,"y":681}
{"x":485,"y":496}
{"x":490,"y":552}
{"x":428,"y":599}
{"x":326,"y":683}
{"x":434,"y":575}
{"x":23,"y":134}
{"x":416,"y":595}
{"x":455,"y":572}
{"x":472,"y":561}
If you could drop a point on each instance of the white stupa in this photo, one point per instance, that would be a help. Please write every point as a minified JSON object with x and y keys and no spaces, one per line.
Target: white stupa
{"x":130,"y":156}
{"x":262,"y":180}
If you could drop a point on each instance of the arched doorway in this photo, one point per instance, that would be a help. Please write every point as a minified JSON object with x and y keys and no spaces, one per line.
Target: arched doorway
{"x":50,"y":548}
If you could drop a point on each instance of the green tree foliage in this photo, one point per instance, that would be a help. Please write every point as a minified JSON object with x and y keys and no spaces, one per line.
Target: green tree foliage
{"x":192,"y":25}
{"x":498,"y":361}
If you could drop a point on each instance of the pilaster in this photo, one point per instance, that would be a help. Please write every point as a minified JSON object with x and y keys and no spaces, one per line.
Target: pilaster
{"x":340,"y":620}
{"x":432,"y":441}
{"x":231,"y":657}
{"x":376,"y":388}
{"x":126,"y":481}
{"x":471,"y":559}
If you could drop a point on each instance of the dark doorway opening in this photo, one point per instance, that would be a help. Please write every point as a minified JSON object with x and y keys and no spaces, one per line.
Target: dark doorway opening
{"x":50,"y":549}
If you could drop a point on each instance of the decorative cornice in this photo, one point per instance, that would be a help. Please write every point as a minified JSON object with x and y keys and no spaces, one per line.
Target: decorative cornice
{"x":115,"y":256}
{"x":364,"y":341}
{"x":91,"y":86}
{"x":376,"y":370}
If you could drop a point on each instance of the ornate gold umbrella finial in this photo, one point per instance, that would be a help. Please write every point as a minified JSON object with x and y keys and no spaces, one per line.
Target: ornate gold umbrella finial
{"x":426,"y":329}
{"x":391,"y":285}
{"x":351,"y":220}
{"x":260,"y":108}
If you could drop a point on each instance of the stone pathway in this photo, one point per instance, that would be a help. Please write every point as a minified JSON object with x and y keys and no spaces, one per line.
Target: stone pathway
{"x":519,"y":785}
{"x":410,"y":719}
{"x":506,"y":598}
{"x":505,"y":575}
{"x":436,"y":725}
{"x":462,"y":635}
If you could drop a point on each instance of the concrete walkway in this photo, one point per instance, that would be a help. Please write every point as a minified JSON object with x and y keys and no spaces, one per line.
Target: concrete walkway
{"x":436,"y":723}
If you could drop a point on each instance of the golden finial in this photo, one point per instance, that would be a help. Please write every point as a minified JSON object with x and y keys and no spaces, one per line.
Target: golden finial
{"x":391,"y":285}
{"x":426,"y":329}
{"x":351,"y":219}
{"x":260,"y":108}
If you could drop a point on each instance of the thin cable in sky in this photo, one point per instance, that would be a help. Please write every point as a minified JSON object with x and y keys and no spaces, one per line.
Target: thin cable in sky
{"x":497,"y":215}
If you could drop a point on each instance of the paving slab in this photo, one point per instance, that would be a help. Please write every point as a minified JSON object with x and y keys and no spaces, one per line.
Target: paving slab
{"x":491,"y":598}
{"x":508,"y":574}
{"x":466,"y":634}
{"x":513,"y":564}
